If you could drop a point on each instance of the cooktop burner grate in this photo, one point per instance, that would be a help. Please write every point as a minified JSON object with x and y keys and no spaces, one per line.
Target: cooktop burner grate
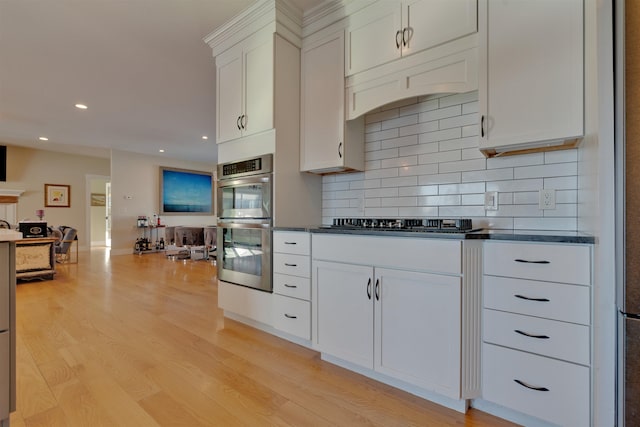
{"x":429,"y":224}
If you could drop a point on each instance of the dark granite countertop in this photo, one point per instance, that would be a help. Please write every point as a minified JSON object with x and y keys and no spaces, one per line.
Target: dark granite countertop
{"x":484,"y":234}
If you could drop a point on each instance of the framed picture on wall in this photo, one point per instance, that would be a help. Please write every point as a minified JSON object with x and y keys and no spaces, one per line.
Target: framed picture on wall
{"x":57,"y":196}
{"x":98,"y":199}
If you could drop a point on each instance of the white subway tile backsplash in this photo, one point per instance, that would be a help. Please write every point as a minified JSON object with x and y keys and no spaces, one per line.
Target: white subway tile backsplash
{"x":421,"y":190}
{"x":459,"y":121}
{"x":462,"y":166}
{"x":400,"y":122}
{"x":441,"y":135}
{"x":400,"y":142}
{"x":551,"y":170}
{"x":420,"y":211}
{"x":439,"y":200}
{"x":418,"y":128}
{"x":383,"y":192}
{"x":561,"y":156}
{"x":515,"y":161}
{"x":399,"y":162}
{"x":443,"y":178}
{"x":419,"y":170}
{"x":441,"y":157}
{"x":422,"y":160}
{"x":488,"y":175}
{"x":515,"y":185}
{"x":476,"y":187}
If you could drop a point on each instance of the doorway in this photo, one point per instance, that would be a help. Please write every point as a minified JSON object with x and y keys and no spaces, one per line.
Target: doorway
{"x":99,"y":210}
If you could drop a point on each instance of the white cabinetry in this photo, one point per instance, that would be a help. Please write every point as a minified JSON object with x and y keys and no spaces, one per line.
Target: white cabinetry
{"x":393,"y":306}
{"x":292,"y":283}
{"x":536,"y":330}
{"x":244,"y":87}
{"x":531,"y":75}
{"x":387,"y":30}
{"x":327,"y":142}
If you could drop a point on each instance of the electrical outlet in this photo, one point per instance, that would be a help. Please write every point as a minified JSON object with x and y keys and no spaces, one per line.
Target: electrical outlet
{"x":491,"y":201}
{"x":547,"y":199}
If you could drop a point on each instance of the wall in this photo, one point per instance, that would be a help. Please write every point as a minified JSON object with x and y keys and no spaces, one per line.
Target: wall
{"x":135,"y":188}
{"x":29,"y":169}
{"x":422,"y":160}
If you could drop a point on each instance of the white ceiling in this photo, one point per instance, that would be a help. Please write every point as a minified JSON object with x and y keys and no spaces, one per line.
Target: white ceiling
{"x":140,"y":65}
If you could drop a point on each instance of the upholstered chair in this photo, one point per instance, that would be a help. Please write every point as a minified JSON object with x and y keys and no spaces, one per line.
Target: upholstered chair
{"x":63,"y":246}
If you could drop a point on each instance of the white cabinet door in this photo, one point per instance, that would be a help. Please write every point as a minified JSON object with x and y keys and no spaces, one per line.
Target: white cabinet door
{"x":428,"y":23}
{"x":344,"y":295}
{"x":374,"y":36}
{"x":229,"y":94}
{"x":324,"y":143}
{"x":533,"y":88}
{"x":417,"y":324}
{"x":258,"y":83}
{"x":244,"y":83}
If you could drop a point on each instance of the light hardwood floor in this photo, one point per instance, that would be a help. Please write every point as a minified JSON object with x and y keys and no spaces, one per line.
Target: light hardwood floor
{"x":139,"y":341}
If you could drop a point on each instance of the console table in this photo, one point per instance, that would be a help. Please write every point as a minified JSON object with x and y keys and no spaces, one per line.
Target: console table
{"x":35,"y":258}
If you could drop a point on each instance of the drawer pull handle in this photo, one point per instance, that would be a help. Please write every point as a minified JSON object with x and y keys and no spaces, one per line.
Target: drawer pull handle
{"x":526,"y":334}
{"x":369,"y":288}
{"x":531,"y":299}
{"x":290,"y":316}
{"x":532,"y":262}
{"x":286,"y":285}
{"x":290,"y":265}
{"x":290,"y":243}
{"x":523,"y":384}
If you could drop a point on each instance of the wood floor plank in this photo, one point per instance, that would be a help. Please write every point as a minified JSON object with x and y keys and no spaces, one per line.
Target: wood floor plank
{"x":139,"y":341}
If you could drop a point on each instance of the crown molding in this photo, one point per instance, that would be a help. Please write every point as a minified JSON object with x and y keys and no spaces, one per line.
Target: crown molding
{"x":283,"y":17}
{"x":330,"y":12}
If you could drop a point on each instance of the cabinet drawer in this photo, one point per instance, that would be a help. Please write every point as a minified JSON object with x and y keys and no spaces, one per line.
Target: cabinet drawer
{"x":547,"y":262}
{"x":292,"y":286}
{"x":292,"y":242}
{"x":296,"y":265}
{"x":292,"y":316}
{"x":566,"y":341}
{"x":566,"y":401}
{"x":569,"y":303}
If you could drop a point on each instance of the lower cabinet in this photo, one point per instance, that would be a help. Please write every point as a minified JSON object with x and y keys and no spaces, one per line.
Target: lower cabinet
{"x":537,"y":315}
{"x":401,"y":323}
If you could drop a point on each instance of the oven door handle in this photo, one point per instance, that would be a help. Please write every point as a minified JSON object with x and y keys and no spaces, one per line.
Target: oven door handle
{"x":243,"y":224}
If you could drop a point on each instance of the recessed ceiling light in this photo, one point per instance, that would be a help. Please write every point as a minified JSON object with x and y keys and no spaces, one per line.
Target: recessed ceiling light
{"x":81,"y":106}
{"x":161,"y":150}
{"x":43,"y":138}
{"x":205,"y":137}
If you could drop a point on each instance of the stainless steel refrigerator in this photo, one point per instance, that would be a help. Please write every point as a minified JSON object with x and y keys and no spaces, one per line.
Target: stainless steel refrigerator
{"x":627,"y":76}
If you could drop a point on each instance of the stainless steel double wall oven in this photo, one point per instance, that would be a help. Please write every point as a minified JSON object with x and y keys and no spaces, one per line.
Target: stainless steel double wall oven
{"x":244,"y":222}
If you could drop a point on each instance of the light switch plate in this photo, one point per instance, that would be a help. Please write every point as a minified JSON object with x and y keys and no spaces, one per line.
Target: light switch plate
{"x":491,"y":201}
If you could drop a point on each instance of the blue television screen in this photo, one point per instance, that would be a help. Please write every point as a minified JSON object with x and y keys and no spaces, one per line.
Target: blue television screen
{"x":185,"y":192}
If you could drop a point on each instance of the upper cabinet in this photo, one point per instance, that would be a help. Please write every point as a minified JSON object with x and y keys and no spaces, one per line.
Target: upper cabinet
{"x":531,"y":75}
{"x":388,"y":30}
{"x":327,"y":143}
{"x":244,"y":84}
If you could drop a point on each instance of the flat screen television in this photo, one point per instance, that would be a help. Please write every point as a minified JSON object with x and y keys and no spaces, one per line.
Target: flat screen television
{"x":3,"y":163}
{"x":185,"y":192}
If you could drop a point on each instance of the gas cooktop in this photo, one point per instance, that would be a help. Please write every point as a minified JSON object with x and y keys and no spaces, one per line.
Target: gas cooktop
{"x":438,"y":225}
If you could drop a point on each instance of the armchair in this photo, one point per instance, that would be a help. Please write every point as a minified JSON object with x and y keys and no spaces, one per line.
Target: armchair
{"x":63,"y":246}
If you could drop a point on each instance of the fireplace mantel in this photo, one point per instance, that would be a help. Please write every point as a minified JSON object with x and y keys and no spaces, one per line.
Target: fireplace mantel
{"x":10,"y":196}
